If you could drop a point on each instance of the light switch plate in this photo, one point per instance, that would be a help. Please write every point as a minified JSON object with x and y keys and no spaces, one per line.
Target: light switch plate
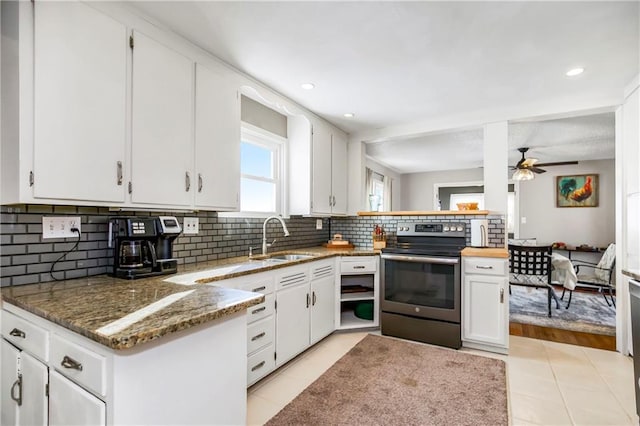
{"x":523,"y":220}
{"x":191,"y":225}
{"x":318,"y":223}
{"x":60,"y":226}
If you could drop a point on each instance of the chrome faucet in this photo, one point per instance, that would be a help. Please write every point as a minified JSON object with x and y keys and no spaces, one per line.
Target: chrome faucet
{"x":264,"y":232}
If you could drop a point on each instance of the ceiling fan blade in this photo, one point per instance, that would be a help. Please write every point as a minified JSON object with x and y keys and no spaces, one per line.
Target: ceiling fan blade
{"x":558,"y":163}
{"x":537,"y":170}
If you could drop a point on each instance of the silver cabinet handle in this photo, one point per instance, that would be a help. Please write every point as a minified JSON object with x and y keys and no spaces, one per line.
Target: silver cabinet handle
{"x":255,"y":311}
{"x":258,"y":336}
{"x":199,"y":182}
{"x":502,"y":295}
{"x":18,"y":333}
{"x":257,"y":289}
{"x":313,"y":301}
{"x":68,"y":362}
{"x":119,"y":173}
{"x":359,"y":267}
{"x":17,"y":384}
{"x":334,"y":200}
{"x":187,"y":181}
{"x":483,"y":267}
{"x":308,"y":300}
{"x":330,"y":202}
{"x":421,"y":259}
{"x":259,"y":365}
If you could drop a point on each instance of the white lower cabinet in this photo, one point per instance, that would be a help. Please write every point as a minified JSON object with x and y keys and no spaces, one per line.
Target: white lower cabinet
{"x":485,"y":304}
{"x":69,"y":404}
{"x":23,"y":381}
{"x":292,"y":319}
{"x":323,"y":285}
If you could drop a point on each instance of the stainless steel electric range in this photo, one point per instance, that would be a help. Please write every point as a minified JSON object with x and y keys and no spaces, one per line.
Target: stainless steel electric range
{"x":421,"y":283}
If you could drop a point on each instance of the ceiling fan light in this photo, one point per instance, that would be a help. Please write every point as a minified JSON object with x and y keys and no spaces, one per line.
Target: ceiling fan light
{"x":523,"y":174}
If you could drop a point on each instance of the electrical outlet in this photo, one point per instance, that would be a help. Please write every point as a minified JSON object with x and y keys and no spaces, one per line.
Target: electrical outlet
{"x":523,"y":220}
{"x":191,"y":225}
{"x":318,"y":223}
{"x":60,"y":226}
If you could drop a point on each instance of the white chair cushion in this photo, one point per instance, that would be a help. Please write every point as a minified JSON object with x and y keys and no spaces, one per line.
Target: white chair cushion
{"x":605,"y":263}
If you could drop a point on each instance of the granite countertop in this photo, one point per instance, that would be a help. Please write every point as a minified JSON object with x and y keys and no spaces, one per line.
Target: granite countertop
{"x":633,"y":273}
{"x":121,"y":314}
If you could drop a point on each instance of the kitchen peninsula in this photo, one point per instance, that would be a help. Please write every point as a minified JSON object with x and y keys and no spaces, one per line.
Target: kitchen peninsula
{"x":148,"y":345}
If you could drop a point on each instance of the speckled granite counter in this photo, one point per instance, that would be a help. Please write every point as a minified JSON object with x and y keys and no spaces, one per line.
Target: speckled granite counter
{"x":633,"y":273}
{"x":122,"y":313}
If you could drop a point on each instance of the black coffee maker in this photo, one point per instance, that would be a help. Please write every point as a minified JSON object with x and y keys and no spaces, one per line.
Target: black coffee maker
{"x":143,"y":246}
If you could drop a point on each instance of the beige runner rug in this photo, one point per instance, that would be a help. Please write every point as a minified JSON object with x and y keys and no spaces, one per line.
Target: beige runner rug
{"x":386,"y":381}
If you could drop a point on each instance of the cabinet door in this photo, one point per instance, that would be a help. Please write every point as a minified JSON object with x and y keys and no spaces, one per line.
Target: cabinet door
{"x":217,"y":135}
{"x":80,"y":78}
{"x":35,"y":376}
{"x":339,"y":173}
{"x":162,"y":122}
{"x":485,"y":309}
{"x":292,"y":322}
{"x":8,"y":376}
{"x":69,"y":404}
{"x":26,"y":377}
{"x":321,"y":169}
{"x":323,"y":307}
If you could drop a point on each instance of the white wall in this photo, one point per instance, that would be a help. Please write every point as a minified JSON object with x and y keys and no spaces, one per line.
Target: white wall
{"x":396,"y":186}
{"x":417,"y":188}
{"x":578,"y":225}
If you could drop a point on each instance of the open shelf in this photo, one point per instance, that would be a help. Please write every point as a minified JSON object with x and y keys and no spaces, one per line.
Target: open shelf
{"x":362,"y":295}
{"x":348,"y":319}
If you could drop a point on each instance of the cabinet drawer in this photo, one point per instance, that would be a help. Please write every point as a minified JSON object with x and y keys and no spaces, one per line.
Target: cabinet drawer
{"x":262,"y":286}
{"x":260,"y":364}
{"x":260,"y":333}
{"x":81,"y":365}
{"x":359,"y":266}
{"x":25,"y":335}
{"x":485,"y":266}
{"x":262,"y":310}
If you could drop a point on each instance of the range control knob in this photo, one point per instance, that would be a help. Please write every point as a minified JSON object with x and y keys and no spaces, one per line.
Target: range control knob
{"x":446,"y":229}
{"x":459,"y":228}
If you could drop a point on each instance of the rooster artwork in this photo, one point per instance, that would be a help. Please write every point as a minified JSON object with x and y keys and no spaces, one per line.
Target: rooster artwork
{"x":577,"y":191}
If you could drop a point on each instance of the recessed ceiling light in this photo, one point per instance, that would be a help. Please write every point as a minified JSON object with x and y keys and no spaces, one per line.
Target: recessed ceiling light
{"x":349,"y":114}
{"x":307,"y":86}
{"x":574,"y":72}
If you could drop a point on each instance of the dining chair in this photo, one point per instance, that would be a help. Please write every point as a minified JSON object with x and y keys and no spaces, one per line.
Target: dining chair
{"x":601,"y":274}
{"x":530,"y":266}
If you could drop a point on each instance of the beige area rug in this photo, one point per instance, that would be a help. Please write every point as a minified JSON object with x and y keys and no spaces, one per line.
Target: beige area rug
{"x":386,"y":381}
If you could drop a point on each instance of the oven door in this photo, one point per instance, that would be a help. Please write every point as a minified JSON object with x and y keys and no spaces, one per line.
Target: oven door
{"x":421,"y":286}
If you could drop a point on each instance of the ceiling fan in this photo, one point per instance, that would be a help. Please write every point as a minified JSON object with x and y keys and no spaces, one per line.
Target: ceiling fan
{"x":526,"y":167}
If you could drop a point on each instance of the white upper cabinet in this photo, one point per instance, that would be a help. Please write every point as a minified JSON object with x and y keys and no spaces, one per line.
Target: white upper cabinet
{"x":318,"y":168}
{"x":321,"y":169}
{"x":162,"y":141}
{"x":80,"y":75}
{"x":217,"y":141}
{"x":339,"y":173}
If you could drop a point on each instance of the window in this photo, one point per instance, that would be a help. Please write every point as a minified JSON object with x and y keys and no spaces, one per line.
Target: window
{"x":261,"y":165}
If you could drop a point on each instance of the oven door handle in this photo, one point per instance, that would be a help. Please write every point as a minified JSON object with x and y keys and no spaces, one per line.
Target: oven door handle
{"x":421,"y":259}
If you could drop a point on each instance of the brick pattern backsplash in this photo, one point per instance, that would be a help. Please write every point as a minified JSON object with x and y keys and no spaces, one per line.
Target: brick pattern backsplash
{"x":359,"y":230}
{"x":26,"y":258}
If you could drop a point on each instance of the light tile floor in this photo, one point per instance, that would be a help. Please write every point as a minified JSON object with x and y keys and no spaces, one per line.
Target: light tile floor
{"x":549,"y":383}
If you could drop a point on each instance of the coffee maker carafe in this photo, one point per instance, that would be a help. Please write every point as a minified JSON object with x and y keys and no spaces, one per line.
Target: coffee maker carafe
{"x":142,"y":247}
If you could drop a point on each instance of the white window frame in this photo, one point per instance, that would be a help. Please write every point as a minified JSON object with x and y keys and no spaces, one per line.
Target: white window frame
{"x":258,"y":136}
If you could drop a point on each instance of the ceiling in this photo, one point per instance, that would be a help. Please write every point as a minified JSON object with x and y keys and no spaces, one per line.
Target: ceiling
{"x":396,"y":63}
{"x":589,"y":137}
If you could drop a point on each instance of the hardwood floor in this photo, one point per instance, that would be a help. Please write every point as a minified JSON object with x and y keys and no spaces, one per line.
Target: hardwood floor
{"x":579,"y":338}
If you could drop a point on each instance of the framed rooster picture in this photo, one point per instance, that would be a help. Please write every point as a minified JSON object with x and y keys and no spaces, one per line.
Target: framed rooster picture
{"x":577,"y":191}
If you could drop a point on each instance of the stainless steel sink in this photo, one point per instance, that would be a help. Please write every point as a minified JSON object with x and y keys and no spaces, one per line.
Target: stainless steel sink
{"x":289,"y":257}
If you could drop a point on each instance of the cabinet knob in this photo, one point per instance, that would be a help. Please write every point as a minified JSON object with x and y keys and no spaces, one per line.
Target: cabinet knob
{"x":68,"y":362}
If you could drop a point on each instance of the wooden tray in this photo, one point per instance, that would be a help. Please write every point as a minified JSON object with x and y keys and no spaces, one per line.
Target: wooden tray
{"x":338,"y":246}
